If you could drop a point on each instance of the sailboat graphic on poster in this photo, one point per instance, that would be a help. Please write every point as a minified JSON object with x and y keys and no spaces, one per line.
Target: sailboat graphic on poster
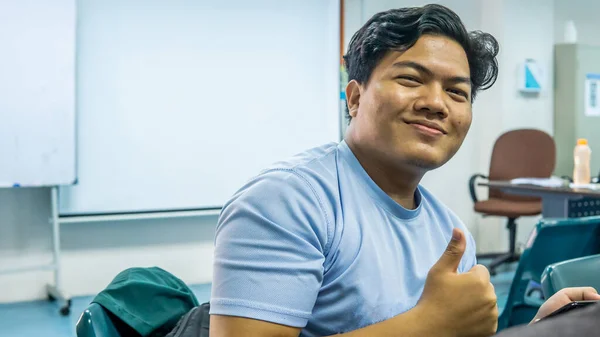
{"x":530,"y":77}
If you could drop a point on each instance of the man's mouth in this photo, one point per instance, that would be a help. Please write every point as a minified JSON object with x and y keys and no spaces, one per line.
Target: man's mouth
{"x":427,"y":127}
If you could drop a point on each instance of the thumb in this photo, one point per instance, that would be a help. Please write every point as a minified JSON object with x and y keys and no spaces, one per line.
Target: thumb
{"x":450,"y":260}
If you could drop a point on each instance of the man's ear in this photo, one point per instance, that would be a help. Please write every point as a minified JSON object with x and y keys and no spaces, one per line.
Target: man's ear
{"x":353,"y":91}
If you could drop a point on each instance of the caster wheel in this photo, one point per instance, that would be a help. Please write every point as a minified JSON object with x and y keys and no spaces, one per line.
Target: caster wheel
{"x":65,"y":311}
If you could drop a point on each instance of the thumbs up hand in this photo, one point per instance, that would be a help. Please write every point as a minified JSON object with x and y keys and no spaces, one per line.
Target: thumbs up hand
{"x":458,"y":304}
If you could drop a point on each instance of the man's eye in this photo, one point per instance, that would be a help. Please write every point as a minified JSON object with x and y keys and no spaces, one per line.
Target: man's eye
{"x":458,"y":92}
{"x":409,"y":78}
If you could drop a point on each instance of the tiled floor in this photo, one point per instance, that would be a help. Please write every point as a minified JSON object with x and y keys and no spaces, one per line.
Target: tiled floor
{"x":41,"y":318}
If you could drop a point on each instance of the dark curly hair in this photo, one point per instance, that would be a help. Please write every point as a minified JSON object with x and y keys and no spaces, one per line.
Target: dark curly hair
{"x":399,"y":29}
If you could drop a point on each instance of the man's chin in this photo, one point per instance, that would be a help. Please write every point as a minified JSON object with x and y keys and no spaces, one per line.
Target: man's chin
{"x":426,"y":163}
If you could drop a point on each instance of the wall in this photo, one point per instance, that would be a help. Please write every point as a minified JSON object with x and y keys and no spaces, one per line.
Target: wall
{"x":585,"y":15}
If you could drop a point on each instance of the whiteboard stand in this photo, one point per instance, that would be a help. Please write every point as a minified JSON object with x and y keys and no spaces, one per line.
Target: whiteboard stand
{"x":55,"y":292}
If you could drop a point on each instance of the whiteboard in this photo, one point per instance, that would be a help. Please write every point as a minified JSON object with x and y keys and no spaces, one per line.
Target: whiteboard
{"x":37,"y":92}
{"x":181,"y":102}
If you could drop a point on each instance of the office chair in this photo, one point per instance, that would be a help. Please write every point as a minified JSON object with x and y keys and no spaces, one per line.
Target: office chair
{"x":516,"y":154}
{"x":551,"y":241}
{"x":580,"y":272}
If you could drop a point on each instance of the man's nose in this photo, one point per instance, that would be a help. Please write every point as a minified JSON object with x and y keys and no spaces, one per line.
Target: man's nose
{"x":432,"y":101}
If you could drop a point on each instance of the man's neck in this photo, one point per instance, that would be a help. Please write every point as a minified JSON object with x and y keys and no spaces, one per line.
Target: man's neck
{"x":400,"y":184}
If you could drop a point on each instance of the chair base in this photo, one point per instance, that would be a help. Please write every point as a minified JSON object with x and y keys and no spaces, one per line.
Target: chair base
{"x":55,"y":294}
{"x":512,"y":254}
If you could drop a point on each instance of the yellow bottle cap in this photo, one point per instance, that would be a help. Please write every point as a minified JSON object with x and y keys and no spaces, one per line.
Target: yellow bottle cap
{"x":582,"y":141}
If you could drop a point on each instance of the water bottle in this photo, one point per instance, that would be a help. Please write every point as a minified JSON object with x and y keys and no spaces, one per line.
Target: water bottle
{"x":570,"y":32}
{"x":582,"y":156}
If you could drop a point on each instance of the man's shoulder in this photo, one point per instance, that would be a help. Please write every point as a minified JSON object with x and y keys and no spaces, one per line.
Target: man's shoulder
{"x":309,"y":175}
{"x":314,"y":169}
{"x":430,"y":200}
{"x":295,"y":194}
{"x":317,"y":158}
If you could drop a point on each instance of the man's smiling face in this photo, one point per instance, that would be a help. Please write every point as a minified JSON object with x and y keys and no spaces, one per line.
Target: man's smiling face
{"x":416,"y":106}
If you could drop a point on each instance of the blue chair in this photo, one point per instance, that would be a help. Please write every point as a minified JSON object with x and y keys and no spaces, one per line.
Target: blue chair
{"x":551,"y":241}
{"x":580,"y":272}
{"x":96,"y":322}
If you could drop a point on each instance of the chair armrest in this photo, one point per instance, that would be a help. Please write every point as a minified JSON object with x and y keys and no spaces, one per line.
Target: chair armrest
{"x":547,"y":285}
{"x":472,"y":185}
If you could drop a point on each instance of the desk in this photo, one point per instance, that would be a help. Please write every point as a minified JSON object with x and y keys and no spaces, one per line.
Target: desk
{"x":557,"y":202}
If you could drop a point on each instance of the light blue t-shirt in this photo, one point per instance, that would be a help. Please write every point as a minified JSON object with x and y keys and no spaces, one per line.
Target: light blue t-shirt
{"x":314,"y":243}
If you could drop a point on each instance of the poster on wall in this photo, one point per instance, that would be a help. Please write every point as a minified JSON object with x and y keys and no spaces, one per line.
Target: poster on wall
{"x":592,"y":94}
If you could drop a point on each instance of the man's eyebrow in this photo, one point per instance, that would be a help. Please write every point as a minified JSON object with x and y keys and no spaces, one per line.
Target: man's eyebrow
{"x":422,"y":69}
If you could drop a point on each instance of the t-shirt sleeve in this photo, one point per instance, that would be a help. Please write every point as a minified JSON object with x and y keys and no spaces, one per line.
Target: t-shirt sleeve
{"x":269,"y":251}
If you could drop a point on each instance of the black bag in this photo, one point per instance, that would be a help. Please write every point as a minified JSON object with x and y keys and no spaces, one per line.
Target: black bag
{"x":193,"y":324}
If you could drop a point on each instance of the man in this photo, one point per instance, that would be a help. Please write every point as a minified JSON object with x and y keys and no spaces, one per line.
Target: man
{"x":341,"y":239}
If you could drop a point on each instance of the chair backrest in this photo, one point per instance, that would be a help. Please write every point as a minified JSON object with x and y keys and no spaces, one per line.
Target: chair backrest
{"x":580,"y":272}
{"x":95,"y":322}
{"x":521,"y":153}
{"x":551,"y":241}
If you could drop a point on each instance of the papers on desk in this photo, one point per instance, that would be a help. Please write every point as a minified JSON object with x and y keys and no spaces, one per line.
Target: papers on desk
{"x":553,"y":182}
{"x":585,"y":186}
{"x":543,"y":182}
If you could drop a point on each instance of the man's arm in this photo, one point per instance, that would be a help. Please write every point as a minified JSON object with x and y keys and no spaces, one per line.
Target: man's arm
{"x":269,"y":257}
{"x":226,"y":326}
{"x":451,"y":305}
{"x":408,"y":324}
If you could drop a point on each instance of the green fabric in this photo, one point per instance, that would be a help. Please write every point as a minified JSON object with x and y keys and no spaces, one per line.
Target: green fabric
{"x":149,"y":300}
